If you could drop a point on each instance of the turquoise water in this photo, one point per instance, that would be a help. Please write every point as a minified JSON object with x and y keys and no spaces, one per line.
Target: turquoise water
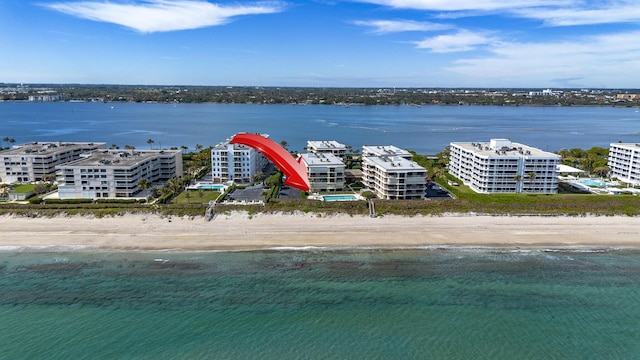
{"x":451,"y":303}
{"x":211,"y":187}
{"x":593,"y":183}
{"x":339,"y":197}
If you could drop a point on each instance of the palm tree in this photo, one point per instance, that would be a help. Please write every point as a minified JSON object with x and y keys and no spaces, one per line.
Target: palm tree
{"x":114,"y":146}
{"x":4,"y":190}
{"x":532,"y":176}
{"x":284,"y":143}
{"x":6,"y":139}
{"x":199,"y":147}
{"x":143,"y":184}
{"x":150,"y":141}
{"x":518,"y":179}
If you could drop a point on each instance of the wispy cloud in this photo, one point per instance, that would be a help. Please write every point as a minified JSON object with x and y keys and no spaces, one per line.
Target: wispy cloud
{"x":393,"y":26}
{"x":465,"y":5}
{"x":603,"y":14}
{"x":463,"y":40}
{"x":594,"y":59}
{"x":163,"y":15}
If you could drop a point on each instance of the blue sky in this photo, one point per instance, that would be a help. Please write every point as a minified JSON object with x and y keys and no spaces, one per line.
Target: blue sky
{"x":364,"y":43}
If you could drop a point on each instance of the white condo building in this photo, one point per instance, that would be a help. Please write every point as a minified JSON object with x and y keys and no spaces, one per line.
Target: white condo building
{"x":502,"y":166}
{"x":327,"y":146}
{"x":236,"y":162}
{"x":116,"y":173}
{"x":624,"y":161}
{"x":30,"y":162}
{"x":390,"y":175}
{"x":325,"y":171}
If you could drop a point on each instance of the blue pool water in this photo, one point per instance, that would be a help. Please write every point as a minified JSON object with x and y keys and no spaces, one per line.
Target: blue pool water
{"x":339,"y":197}
{"x":590,"y":182}
{"x":211,"y":187}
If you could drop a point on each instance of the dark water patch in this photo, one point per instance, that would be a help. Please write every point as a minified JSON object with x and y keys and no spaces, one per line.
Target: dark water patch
{"x":343,"y":304}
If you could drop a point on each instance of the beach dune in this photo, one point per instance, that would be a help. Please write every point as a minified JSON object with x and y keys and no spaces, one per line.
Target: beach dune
{"x":239,"y":231}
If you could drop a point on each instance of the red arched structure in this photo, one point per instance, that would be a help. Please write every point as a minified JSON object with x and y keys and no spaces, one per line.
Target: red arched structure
{"x":295,"y":171}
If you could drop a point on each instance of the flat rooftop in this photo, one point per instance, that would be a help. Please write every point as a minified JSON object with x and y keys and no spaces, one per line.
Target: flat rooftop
{"x":321,"y":159}
{"x":49,"y":148}
{"x":120,"y":158}
{"x":385,"y":150}
{"x":395,"y":163}
{"x":630,"y":146}
{"x":505,"y":149}
{"x":325,"y":144}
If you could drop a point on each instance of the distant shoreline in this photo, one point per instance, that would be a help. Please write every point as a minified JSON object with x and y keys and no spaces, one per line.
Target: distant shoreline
{"x":238,"y":231}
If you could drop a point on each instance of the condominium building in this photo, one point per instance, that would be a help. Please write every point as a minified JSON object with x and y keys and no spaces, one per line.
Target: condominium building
{"x":393,"y":177}
{"x":32,"y":161}
{"x":325,"y":171}
{"x":385,"y":150}
{"x":502,"y":166}
{"x":624,"y":161}
{"x":116,"y":173}
{"x":329,"y":146}
{"x":236,"y":162}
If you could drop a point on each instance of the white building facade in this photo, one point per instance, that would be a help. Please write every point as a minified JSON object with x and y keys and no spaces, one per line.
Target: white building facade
{"x":30,"y":162}
{"x":392,"y":177}
{"x":236,"y":162}
{"x":117,"y":173}
{"x":624,"y":162}
{"x":325,"y":171}
{"x":501,"y":166}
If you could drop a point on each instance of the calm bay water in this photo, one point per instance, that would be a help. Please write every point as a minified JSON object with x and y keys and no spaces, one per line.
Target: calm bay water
{"x":426,"y":129}
{"x":317,"y":304}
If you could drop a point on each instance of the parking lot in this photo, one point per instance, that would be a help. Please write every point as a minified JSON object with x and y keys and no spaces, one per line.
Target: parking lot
{"x":435,"y":191}
{"x":251,"y":193}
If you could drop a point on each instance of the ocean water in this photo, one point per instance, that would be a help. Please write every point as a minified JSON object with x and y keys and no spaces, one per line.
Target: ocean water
{"x":426,"y":129}
{"x":437,"y":303}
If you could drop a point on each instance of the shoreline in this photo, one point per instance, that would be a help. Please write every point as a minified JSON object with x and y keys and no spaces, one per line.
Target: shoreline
{"x":238,"y":231}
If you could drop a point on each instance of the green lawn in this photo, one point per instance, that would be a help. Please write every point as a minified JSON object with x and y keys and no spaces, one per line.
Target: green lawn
{"x":23,"y":188}
{"x":193,"y":197}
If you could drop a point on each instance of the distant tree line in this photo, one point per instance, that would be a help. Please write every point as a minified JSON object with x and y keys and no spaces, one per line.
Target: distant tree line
{"x":329,"y":96}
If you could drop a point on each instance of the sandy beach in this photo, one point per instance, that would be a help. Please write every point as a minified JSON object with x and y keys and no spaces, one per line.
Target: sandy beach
{"x":239,"y":231}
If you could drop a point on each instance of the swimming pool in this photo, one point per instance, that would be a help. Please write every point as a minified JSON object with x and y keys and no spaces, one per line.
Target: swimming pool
{"x":594,"y":183}
{"x":340,"y":197}
{"x":212,"y":187}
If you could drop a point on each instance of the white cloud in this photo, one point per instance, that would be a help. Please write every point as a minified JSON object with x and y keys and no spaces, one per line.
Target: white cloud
{"x":392,"y":26}
{"x":163,"y":15}
{"x":597,"y":61}
{"x":613,"y":13}
{"x":463,"y":40}
{"x":465,"y":5}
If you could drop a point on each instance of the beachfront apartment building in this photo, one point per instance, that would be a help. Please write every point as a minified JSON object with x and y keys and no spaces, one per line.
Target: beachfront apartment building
{"x":116,"y":173}
{"x":325,"y":171}
{"x":502,"y":166}
{"x":327,"y":147}
{"x":236,"y":162}
{"x":624,"y":162}
{"x":388,"y":173}
{"x":33,"y":161}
